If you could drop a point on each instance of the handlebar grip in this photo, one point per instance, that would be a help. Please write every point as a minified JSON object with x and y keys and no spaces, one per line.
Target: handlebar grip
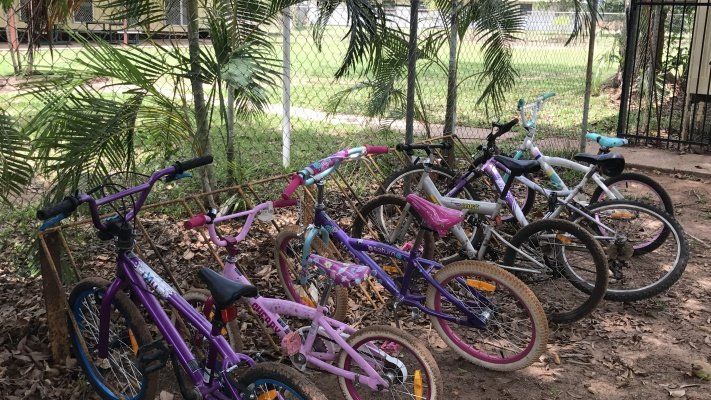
{"x":520,"y":104}
{"x":282,"y":203}
{"x":66,"y":207}
{"x":295,"y":182}
{"x":547,"y":95}
{"x":196,"y":221}
{"x":376,"y":149}
{"x":502,"y":129}
{"x":182,"y":166}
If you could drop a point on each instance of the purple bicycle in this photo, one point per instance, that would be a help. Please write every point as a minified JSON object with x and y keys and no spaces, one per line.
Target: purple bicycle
{"x":112,"y":341}
{"x":375,"y":362}
{"x":482,"y":312}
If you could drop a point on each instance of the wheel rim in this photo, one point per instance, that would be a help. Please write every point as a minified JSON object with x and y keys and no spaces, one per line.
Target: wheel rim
{"x":121,"y":366}
{"x":373,"y":349}
{"x":565,"y":285}
{"x":271,"y":389}
{"x":642,"y":233}
{"x":518,"y":350}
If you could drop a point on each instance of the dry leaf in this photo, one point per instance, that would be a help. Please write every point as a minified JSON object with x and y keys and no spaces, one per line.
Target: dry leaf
{"x":188,"y":255}
{"x":677,"y":392}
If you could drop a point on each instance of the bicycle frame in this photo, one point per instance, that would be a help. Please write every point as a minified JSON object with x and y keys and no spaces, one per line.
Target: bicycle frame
{"x":147,"y":287}
{"x":270,"y":311}
{"x":359,"y":249}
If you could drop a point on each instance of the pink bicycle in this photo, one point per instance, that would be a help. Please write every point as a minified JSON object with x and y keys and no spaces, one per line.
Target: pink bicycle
{"x":374,"y":362}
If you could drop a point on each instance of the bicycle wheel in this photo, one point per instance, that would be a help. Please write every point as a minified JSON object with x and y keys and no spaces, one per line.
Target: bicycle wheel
{"x":516,"y":329}
{"x":287,"y":254}
{"x":379,"y":218}
{"x":273,"y":381}
{"x":119,"y":376}
{"x":638,"y":187}
{"x":642,"y":263}
{"x":570,"y":267}
{"x":399,"y":358}
{"x":443,"y":178}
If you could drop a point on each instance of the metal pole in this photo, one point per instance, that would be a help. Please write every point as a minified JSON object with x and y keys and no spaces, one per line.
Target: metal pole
{"x":411,"y":72}
{"x":286,"y":89}
{"x":630,"y":49}
{"x":588,"y":81}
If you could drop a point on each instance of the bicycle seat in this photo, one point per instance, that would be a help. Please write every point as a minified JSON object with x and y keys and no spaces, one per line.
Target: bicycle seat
{"x":518,"y":167}
{"x":606,"y":141}
{"x":223,"y":290}
{"x":344,"y":274}
{"x":610,"y":164}
{"x":439,"y":219}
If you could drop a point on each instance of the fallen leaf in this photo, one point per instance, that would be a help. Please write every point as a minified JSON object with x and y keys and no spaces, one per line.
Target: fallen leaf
{"x":188,"y":255}
{"x":677,"y":392}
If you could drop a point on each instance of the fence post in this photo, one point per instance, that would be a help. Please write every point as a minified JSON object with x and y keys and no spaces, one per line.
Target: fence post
{"x":54,"y":296}
{"x":588,"y":80}
{"x":286,"y":90}
{"x":411,"y":72}
{"x":630,"y":47}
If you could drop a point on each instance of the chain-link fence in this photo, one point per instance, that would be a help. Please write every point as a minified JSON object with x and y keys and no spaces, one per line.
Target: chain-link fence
{"x":311,"y":108}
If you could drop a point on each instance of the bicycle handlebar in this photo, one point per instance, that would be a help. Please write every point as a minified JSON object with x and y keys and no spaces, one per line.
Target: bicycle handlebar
{"x":320,"y":169}
{"x":424,"y":146}
{"x":502,"y":129}
{"x":67,"y":206}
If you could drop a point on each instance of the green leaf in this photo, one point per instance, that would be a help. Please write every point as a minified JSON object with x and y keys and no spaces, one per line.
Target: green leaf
{"x":15,"y":171}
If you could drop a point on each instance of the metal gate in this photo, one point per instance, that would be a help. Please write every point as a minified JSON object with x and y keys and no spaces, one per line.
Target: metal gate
{"x":666,"y":83}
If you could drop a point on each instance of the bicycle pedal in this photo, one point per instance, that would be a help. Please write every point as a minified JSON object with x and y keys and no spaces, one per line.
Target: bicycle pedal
{"x":153,"y":356}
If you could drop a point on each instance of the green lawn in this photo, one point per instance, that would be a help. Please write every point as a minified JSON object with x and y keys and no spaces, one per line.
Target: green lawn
{"x":542,"y":67}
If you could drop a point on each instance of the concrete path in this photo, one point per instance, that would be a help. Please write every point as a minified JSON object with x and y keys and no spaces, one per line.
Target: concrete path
{"x":665,"y":160}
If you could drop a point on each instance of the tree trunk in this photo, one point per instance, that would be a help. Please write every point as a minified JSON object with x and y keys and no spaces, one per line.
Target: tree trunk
{"x":12,"y":38}
{"x":202,"y":134}
{"x":230,"y":151}
{"x":54,"y":296}
{"x":450,"y":117}
{"x":411,"y":72}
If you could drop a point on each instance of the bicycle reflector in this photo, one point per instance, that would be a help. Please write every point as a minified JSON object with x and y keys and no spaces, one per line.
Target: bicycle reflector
{"x":481,"y":285}
{"x":418,"y":384}
{"x":229,"y":314}
{"x":565,"y":239}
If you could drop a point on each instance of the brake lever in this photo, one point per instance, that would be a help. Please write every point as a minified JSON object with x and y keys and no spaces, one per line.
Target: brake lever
{"x":175,"y":177}
{"x":52,"y":222}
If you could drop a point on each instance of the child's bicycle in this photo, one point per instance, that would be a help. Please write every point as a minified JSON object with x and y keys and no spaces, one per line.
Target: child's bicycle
{"x":482,"y":312}
{"x":111,"y":338}
{"x":374,"y":362}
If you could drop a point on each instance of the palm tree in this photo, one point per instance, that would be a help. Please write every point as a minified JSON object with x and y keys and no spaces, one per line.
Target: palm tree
{"x":94,"y":118}
{"x":15,"y":171}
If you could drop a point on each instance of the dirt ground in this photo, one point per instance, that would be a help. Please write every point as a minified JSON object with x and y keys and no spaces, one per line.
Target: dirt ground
{"x":624,"y":351}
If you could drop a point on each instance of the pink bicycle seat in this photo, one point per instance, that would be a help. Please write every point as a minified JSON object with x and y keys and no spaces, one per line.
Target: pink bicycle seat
{"x":343,"y":274}
{"x":439,"y":219}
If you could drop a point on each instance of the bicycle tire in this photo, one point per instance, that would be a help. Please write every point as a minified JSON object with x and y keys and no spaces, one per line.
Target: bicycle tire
{"x":364,"y":212}
{"x":416,"y":170}
{"x":282,"y":249}
{"x":404,"y":339}
{"x":137,"y":330}
{"x":273,"y":374}
{"x":644,"y":180}
{"x":674,"y":229}
{"x":525,"y":297}
{"x":593,"y":294}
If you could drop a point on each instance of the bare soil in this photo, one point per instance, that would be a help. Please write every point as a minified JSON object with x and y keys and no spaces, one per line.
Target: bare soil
{"x":645,"y":350}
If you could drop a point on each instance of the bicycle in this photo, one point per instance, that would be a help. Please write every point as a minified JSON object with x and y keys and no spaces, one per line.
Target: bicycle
{"x":111,"y":338}
{"x":483,"y":313}
{"x":378,"y":360}
{"x":646,"y":248}
{"x":542,"y":253}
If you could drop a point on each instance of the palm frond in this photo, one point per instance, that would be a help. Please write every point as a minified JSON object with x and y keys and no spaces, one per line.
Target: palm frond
{"x":134,"y":12}
{"x":15,"y":171}
{"x":496,"y":24}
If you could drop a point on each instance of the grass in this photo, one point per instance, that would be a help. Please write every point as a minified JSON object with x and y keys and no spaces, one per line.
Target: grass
{"x":541,"y":68}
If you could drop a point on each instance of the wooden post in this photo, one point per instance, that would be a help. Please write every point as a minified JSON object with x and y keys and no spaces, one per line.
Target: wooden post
{"x":54,"y":297}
